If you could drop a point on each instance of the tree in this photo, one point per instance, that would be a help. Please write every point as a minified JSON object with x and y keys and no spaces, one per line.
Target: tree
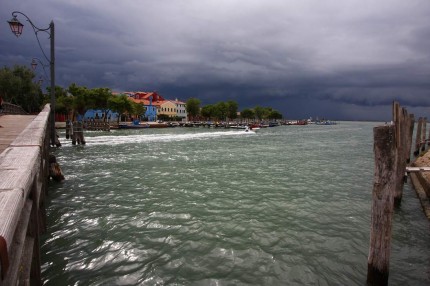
{"x":193,"y":107}
{"x":208,"y":111}
{"x":232,"y":108}
{"x":81,"y":101}
{"x":17,"y":87}
{"x":65,"y":104}
{"x":120,"y":104}
{"x":221,"y":110}
{"x":259,"y":112}
{"x":98,"y":99}
{"x":138,"y":109}
{"x":274,"y":114}
{"x":247,"y":114}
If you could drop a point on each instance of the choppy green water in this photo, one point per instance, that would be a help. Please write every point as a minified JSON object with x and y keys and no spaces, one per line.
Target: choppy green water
{"x":191,"y":206}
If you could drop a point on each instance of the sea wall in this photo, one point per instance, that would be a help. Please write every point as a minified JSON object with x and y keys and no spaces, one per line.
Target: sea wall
{"x":24,"y":171}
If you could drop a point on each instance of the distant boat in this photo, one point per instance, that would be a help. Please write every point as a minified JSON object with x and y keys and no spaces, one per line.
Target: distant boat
{"x":297,"y":122}
{"x":273,"y":124}
{"x":132,"y":126}
{"x":325,"y":122}
{"x":248,"y":130}
{"x":145,"y":125}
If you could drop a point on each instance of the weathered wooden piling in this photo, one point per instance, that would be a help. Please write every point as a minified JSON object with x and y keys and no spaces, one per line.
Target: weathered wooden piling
{"x":423,"y":136}
{"x":72,"y":132}
{"x":57,"y":140}
{"x":400,"y":119}
{"x":78,"y":133}
{"x":382,"y":205}
{"x":68,"y":123}
{"x":411,"y":124}
{"x":418,"y":137}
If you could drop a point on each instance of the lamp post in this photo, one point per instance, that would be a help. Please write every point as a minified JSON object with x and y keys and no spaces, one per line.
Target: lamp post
{"x":34,"y":65}
{"x":16,"y":27}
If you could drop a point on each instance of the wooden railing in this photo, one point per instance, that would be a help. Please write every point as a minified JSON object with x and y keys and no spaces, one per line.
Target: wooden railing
{"x":24,"y":170}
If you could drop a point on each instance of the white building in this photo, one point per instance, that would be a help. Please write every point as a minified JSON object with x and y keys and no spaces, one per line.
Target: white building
{"x":181,"y":110}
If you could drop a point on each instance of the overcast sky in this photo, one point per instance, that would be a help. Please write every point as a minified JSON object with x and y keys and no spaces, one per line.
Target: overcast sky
{"x":343,"y":59}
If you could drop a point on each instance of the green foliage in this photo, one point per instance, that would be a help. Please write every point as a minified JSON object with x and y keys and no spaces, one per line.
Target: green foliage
{"x":261,"y":113}
{"x":232,"y":108}
{"x":220,"y":111}
{"x":98,"y":98}
{"x":138,"y":109}
{"x":208,"y":111}
{"x":193,"y":107}
{"x":65,"y":104}
{"x":120,"y":104}
{"x":17,"y":87}
{"x":163,"y":117}
{"x":274,"y":114}
{"x":247,"y":114}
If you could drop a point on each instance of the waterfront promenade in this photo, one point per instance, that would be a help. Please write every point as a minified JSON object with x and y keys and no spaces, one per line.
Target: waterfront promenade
{"x":11,"y":127}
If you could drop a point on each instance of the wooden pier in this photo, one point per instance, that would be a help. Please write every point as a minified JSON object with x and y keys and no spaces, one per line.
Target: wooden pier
{"x":24,"y":171}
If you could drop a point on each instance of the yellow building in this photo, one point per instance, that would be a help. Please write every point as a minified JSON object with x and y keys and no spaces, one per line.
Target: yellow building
{"x":168,"y":108}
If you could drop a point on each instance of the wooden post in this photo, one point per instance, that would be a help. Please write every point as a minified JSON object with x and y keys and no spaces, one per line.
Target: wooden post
{"x":400,"y":116}
{"x":411,"y":123}
{"x":73,"y":132}
{"x":80,"y":133}
{"x":423,"y":131}
{"x":428,"y":139}
{"x":67,"y":129}
{"x":382,"y":205}
{"x":418,"y":137}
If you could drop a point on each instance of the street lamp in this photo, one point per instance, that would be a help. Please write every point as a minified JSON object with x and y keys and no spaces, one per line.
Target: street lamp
{"x":34,"y":65}
{"x":16,"y":27}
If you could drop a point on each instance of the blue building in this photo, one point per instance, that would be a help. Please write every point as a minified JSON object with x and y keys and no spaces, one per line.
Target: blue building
{"x":151,"y":111}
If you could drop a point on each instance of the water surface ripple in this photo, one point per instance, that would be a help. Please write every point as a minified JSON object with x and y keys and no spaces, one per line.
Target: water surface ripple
{"x":191,"y":206}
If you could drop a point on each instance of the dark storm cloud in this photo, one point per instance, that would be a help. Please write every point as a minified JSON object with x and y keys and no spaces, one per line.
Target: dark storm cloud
{"x":345,"y":59}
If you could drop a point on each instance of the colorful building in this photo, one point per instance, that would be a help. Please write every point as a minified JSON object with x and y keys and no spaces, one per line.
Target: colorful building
{"x":151,"y":100}
{"x":156,"y":105}
{"x":167,"y":108}
{"x":181,"y":109}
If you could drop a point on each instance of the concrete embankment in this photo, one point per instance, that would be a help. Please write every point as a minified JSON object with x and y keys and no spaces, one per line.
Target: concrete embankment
{"x":421,"y":182}
{"x":24,"y":171}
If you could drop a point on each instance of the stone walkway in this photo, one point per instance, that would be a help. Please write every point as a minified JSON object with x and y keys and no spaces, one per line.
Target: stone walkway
{"x":11,"y":127}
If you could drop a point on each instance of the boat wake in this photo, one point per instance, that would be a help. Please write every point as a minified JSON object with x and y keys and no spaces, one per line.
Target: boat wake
{"x":141,"y":138}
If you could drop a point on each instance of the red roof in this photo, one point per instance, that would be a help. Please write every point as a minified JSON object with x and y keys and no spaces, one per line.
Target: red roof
{"x":144,"y":97}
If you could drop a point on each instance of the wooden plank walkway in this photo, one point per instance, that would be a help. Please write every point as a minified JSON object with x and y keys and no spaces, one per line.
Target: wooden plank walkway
{"x":11,"y":127}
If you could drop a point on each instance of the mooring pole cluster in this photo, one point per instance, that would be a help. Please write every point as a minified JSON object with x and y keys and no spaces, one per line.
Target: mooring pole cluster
{"x":392,"y":150}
